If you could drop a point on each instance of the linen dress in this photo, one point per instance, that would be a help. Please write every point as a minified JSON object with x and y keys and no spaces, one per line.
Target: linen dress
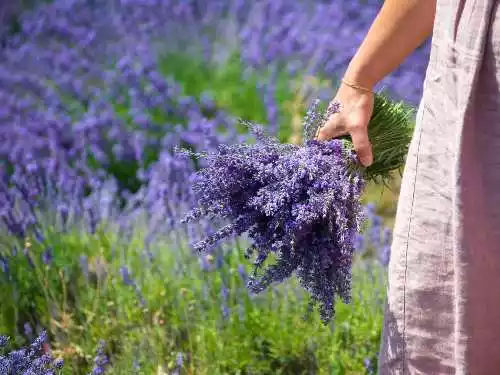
{"x":443,"y":305}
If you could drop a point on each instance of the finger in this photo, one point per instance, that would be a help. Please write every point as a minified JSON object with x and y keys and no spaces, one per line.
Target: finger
{"x":362,"y":145}
{"x":331,"y":129}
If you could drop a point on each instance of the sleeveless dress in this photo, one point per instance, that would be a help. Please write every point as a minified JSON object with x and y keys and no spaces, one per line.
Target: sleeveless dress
{"x":443,"y":299}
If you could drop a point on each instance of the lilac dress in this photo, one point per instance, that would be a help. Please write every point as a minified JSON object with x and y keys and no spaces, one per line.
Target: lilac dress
{"x":443,"y":306}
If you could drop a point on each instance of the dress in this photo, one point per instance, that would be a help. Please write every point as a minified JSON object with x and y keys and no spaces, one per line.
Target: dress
{"x":443,"y":304}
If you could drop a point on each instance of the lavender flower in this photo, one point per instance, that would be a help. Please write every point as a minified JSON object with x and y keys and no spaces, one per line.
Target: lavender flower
{"x":28,"y":331}
{"x":100,"y":360}
{"x":224,"y":293}
{"x":243,"y":273}
{"x":129,"y":281}
{"x":47,"y":256}
{"x":84,"y":266}
{"x":30,"y":360}
{"x":359,"y":243}
{"x":385,"y":249}
{"x":4,"y":266}
{"x":368,"y":365}
{"x":180,"y":359}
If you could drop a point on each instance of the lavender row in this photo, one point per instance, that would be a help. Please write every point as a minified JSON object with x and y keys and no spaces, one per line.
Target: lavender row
{"x":83,"y":96}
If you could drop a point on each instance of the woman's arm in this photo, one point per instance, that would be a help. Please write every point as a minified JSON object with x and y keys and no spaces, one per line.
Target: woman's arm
{"x":399,"y":28}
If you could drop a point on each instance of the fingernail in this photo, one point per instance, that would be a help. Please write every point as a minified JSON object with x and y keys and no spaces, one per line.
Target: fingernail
{"x":367,"y":161}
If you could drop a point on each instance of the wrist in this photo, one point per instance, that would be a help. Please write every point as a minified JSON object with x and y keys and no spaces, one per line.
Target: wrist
{"x":356,"y":86}
{"x":360,"y":77}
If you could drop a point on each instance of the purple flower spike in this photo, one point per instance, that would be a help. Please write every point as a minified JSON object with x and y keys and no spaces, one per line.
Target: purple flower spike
{"x":180,"y":359}
{"x":47,"y":256}
{"x":100,"y":360}
{"x":129,"y":281}
{"x":359,"y":243}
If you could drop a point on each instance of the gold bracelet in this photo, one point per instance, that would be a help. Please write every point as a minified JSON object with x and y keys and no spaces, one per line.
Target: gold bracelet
{"x":356,"y":86}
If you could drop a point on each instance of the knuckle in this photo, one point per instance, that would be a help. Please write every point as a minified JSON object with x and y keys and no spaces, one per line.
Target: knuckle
{"x":361,"y":143}
{"x":362,"y":146}
{"x":355,"y":127}
{"x":323,"y":133}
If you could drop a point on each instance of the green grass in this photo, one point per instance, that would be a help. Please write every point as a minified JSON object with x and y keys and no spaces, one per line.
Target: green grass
{"x":269,"y":334}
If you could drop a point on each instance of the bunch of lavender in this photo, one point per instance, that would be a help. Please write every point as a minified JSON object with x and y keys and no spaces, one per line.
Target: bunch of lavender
{"x":300,"y":203}
{"x":31,"y":360}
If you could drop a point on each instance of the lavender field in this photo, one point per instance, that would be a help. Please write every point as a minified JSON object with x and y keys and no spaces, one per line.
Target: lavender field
{"x":95,"y":95}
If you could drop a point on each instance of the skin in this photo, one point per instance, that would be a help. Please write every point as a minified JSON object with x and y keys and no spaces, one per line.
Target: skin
{"x":399,"y":28}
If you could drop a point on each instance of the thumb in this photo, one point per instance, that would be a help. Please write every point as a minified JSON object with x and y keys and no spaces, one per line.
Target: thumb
{"x":331,"y":129}
{"x":362,"y":145}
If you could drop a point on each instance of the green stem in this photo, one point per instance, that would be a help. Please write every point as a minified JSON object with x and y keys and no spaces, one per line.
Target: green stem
{"x":390,"y":131}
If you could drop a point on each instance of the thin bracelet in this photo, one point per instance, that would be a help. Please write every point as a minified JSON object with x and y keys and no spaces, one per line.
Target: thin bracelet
{"x":353,"y":85}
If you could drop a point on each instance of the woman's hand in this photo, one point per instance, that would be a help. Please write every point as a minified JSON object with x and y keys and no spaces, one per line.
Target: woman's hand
{"x":356,"y":109}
